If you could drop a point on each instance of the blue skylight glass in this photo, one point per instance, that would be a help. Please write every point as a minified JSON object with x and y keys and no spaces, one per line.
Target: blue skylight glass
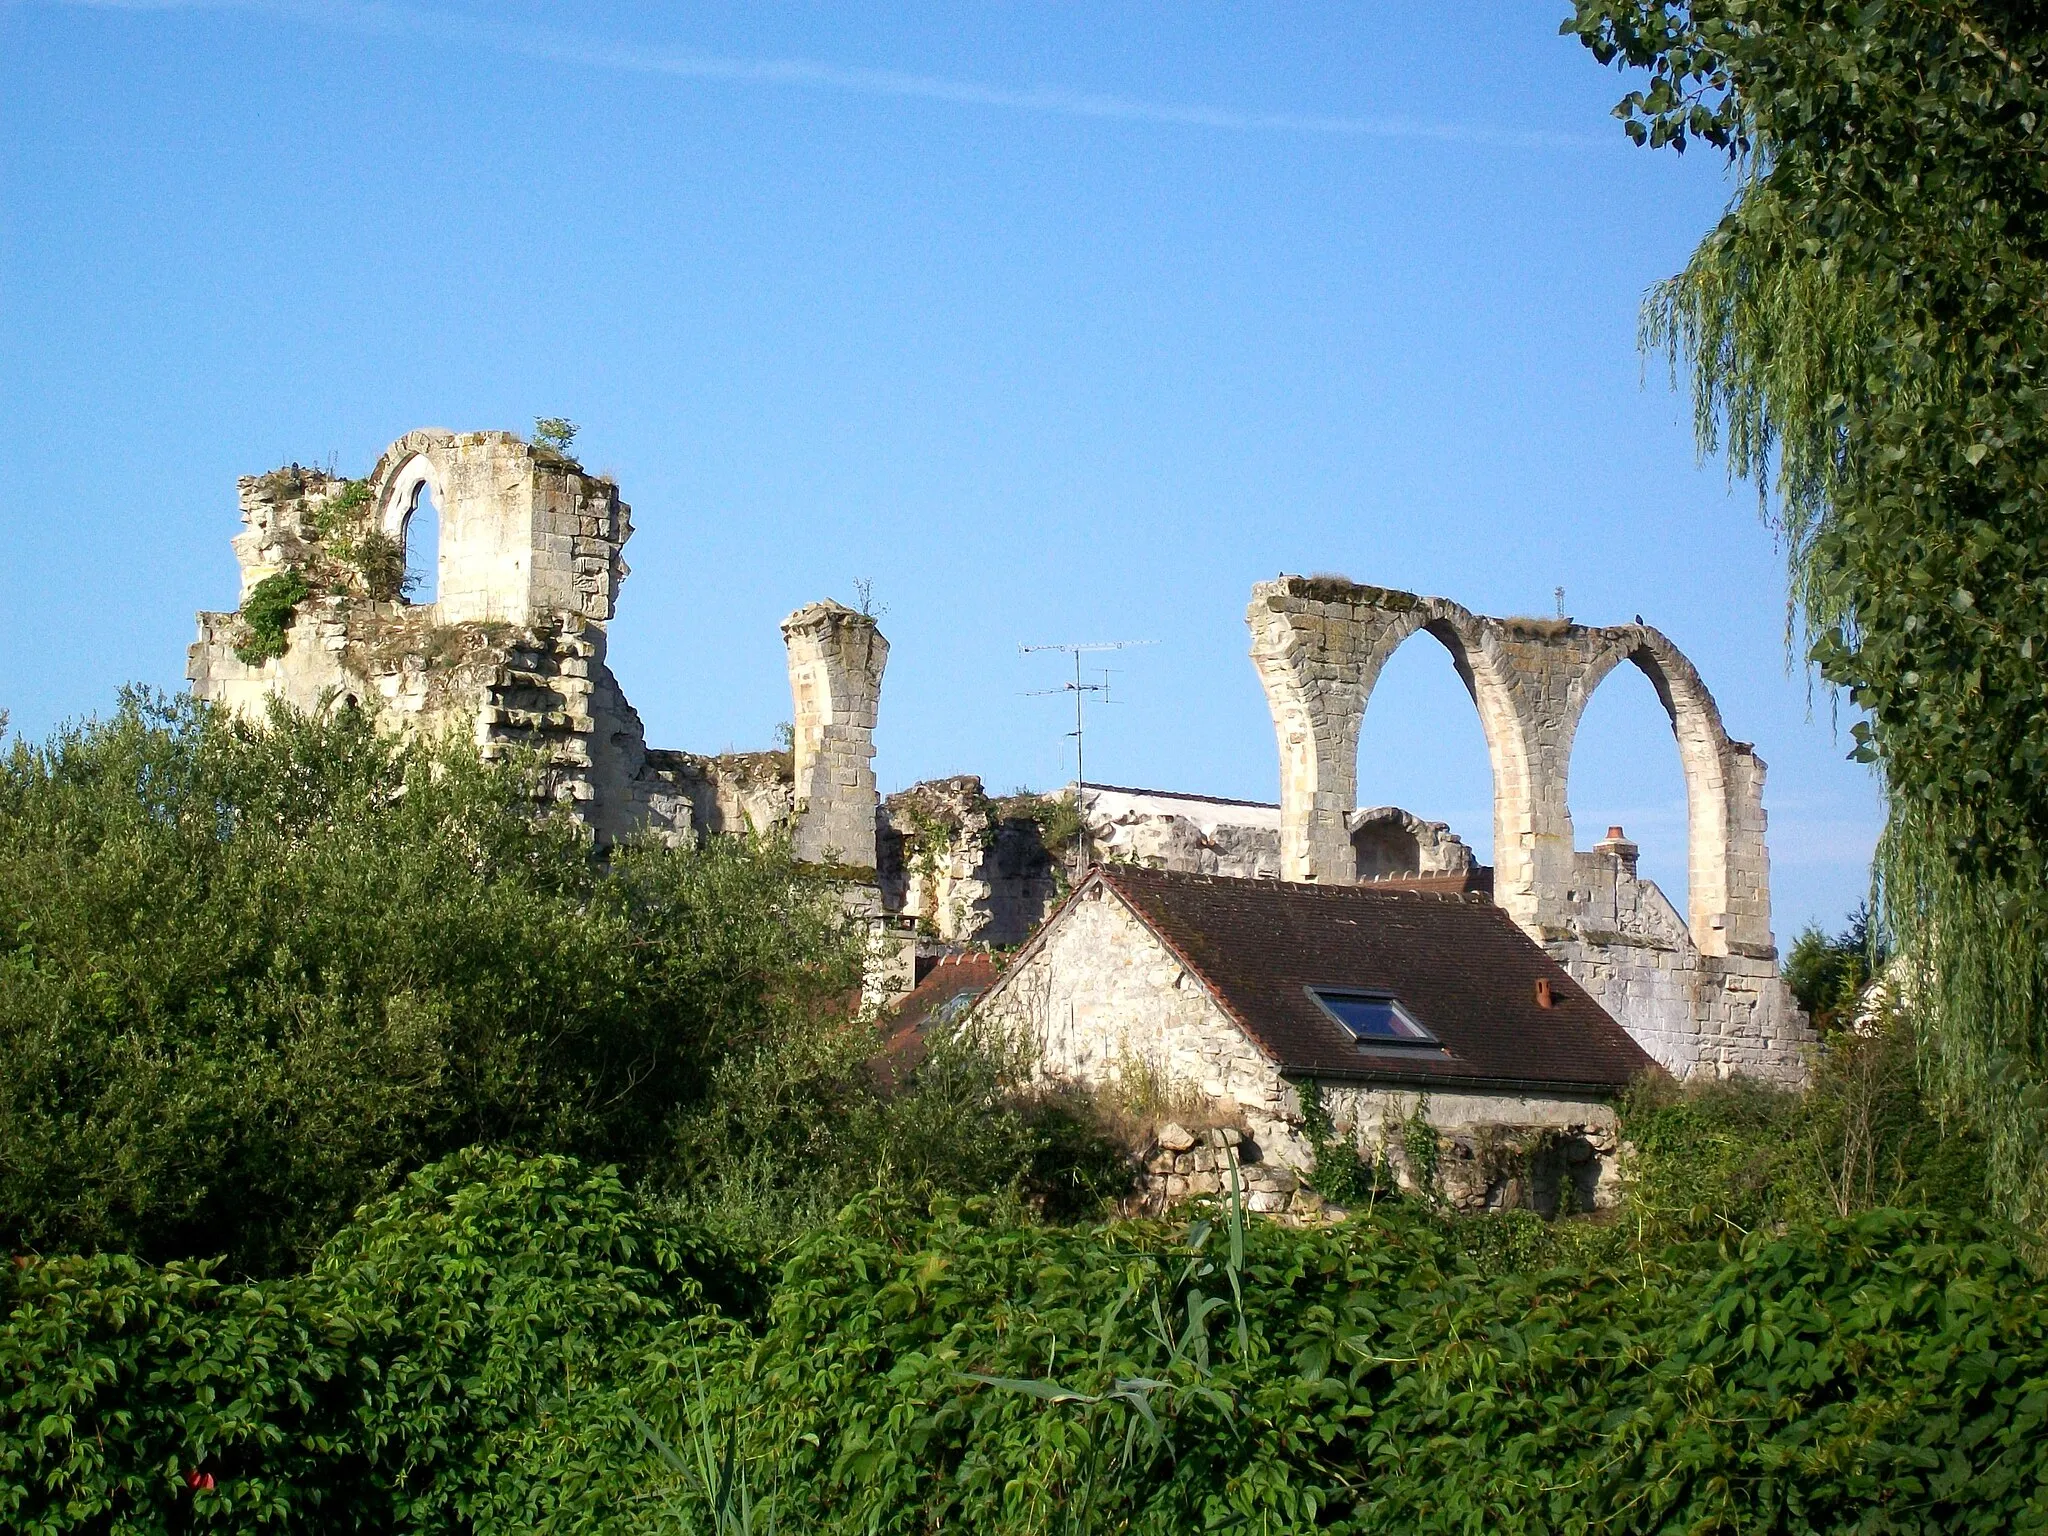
{"x":1373,"y":1018}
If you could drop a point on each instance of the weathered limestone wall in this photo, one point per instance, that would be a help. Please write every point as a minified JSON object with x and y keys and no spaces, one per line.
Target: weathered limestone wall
{"x":1196,"y":833}
{"x":524,"y":530}
{"x":1240,"y":839}
{"x":1101,"y":999}
{"x":961,"y":867}
{"x":1713,"y":1000}
{"x":512,"y":653}
{"x":836,"y":657}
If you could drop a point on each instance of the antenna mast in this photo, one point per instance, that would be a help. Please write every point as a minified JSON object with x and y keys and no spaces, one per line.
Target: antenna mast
{"x":1080,"y":690}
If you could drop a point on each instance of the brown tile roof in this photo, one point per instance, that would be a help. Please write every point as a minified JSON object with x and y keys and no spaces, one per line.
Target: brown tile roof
{"x":1478,"y":880}
{"x":903,"y":1029}
{"x":1456,"y":962}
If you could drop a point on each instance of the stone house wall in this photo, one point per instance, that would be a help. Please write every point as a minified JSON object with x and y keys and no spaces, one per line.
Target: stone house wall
{"x":1098,"y":997}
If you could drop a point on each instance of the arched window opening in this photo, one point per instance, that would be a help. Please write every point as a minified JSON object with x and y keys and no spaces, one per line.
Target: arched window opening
{"x":1386,"y":850}
{"x":421,"y":542}
{"x":1423,"y":749}
{"x":1626,"y":773}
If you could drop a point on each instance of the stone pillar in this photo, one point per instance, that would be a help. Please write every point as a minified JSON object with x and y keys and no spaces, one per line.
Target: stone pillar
{"x":1319,"y":644}
{"x":1546,"y":670}
{"x":836,"y":657}
{"x":1747,"y":917}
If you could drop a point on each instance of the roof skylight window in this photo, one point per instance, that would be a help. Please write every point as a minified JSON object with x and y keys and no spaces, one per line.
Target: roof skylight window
{"x":1372,"y":1018}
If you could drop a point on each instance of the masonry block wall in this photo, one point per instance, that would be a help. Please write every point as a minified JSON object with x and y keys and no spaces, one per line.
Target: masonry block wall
{"x":1319,"y":644}
{"x":525,"y":532}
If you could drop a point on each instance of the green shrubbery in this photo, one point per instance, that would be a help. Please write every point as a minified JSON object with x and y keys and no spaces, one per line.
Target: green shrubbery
{"x":454,"y":1361}
{"x":248,"y":977}
{"x":1713,"y":1159}
{"x":267,"y":613}
{"x":252,"y":977}
{"x":501,"y":1346}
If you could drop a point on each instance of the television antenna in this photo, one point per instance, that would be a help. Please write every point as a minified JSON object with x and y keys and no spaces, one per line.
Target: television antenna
{"x":1080,"y":690}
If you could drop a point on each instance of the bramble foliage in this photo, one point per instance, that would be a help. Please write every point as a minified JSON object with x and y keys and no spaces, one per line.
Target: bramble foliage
{"x":1885,"y":1369}
{"x":1865,"y":333}
{"x":455,"y":1361}
{"x":267,"y":613}
{"x":249,"y":977}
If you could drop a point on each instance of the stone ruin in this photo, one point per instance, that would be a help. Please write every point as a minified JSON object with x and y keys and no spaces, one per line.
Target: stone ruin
{"x":1699,"y":992}
{"x":512,"y":655}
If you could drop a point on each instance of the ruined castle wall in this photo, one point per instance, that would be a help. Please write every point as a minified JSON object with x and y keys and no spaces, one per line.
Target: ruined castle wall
{"x":1319,"y":645}
{"x":512,"y":653}
{"x":949,"y":860}
{"x":525,"y":532}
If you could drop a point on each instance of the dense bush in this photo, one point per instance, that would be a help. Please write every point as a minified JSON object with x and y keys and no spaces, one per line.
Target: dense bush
{"x":509,"y":1346}
{"x":1828,"y":972}
{"x":249,"y":977}
{"x":1888,"y":1373}
{"x":454,"y":1362}
{"x":1716,"y":1159}
{"x":798,"y":1125}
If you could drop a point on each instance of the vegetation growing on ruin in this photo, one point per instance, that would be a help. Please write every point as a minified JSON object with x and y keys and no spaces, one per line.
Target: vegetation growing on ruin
{"x":1057,"y":817}
{"x":1863,"y":335}
{"x":555,"y":432}
{"x":267,"y":613}
{"x":340,"y":511}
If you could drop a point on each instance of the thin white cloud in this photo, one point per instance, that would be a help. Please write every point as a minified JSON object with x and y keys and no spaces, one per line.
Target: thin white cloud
{"x":380,"y":19}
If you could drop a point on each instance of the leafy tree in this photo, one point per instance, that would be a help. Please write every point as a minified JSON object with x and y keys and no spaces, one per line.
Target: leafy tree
{"x":1827,"y":974}
{"x":251,"y":976}
{"x":1865,"y":334}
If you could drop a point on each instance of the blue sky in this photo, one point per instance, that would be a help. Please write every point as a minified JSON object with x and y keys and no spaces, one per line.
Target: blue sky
{"x":1053,"y":322}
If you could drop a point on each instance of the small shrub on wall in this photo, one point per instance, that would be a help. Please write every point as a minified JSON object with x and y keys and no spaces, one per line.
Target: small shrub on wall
{"x":267,"y":613}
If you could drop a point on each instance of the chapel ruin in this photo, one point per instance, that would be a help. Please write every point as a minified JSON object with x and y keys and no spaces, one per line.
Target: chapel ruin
{"x":512,"y":654}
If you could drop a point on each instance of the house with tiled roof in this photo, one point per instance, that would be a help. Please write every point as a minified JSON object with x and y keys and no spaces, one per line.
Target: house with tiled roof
{"x":1390,"y":1000}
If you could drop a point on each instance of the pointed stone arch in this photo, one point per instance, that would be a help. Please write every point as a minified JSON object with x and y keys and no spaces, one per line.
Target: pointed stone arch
{"x":1728,"y":892}
{"x":1320,"y":643}
{"x":525,"y":532}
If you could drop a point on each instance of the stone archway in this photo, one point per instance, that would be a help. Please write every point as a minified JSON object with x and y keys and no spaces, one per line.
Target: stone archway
{"x":414,"y":487}
{"x":1320,"y":643}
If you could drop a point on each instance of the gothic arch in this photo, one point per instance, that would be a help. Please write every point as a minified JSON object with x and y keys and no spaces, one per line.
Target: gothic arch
{"x":1704,"y":754}
{"x":409,"y":465}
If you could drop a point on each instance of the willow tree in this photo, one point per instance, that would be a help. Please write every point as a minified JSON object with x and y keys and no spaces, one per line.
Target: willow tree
{"x":1864,"y":335}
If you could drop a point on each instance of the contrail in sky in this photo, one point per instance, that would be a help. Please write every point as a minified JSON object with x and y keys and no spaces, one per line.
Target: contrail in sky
{"x":380,"y":19}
